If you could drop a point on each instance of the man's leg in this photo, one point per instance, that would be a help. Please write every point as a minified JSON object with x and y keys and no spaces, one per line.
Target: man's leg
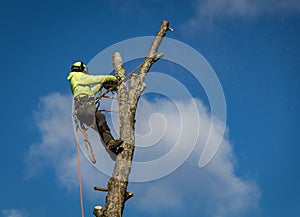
{"x":105,"y":134}
{"x":103,"y":128}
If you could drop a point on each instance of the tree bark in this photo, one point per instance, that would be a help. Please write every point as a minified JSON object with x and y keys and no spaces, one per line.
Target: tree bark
{"x":128,"y":98}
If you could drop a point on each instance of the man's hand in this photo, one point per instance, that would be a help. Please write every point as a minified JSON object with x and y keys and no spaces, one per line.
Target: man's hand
{"x":118,"y":78}
{"x":111,"y":85}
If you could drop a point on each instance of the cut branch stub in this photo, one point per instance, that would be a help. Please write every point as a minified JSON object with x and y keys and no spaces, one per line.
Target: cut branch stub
{"x":128,"y":195}
{"x":96,"y":188}
{"x":98,"y":211}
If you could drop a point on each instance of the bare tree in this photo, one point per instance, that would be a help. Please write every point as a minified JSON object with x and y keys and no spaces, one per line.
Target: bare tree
{"x":128,"y":98}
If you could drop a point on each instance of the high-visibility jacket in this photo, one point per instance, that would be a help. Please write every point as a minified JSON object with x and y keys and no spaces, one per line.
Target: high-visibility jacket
{"x":80,"y":83}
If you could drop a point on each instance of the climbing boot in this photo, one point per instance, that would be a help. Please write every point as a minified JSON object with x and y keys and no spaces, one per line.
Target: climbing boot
{"x":113,"y":144}
{"x":113,"y":148}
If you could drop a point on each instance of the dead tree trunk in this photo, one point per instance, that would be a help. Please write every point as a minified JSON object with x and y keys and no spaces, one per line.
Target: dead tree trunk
{"x":128,"y":98}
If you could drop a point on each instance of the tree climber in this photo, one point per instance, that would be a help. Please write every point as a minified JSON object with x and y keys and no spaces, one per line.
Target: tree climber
{"x":84,"y":104}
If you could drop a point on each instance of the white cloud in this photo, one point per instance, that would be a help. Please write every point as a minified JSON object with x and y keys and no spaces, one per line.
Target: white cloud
{"x":13,"y":213}
{"x":57,"y":147}
{"x":210,"y":11}
{"x":214,"y":190}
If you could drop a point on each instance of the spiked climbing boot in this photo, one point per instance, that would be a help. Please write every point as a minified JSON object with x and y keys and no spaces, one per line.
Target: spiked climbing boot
{"x":113,"y":148}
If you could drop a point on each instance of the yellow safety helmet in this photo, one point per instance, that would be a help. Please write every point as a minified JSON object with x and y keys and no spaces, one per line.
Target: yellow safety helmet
{"x":79,"y":67}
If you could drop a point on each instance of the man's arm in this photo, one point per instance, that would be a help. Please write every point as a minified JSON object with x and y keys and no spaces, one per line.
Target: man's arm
{"x":95,"y":79}
{"x":96,"y":88}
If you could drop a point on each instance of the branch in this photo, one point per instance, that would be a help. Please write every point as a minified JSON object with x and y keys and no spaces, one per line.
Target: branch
{"x":164,"y":27}
{"x":152,"y":55}
{"x":151,"y":58}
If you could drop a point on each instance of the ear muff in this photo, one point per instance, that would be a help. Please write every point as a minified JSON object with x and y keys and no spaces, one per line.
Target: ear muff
{"x":84,"y":68}
{"x":78,"y":68}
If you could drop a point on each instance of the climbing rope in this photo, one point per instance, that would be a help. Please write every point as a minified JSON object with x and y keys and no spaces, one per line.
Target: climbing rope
{"x":79,"y":174}
{"x":90,"y":154}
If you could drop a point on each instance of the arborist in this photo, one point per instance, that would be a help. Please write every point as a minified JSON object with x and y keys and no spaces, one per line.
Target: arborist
{"x":84,"y":103}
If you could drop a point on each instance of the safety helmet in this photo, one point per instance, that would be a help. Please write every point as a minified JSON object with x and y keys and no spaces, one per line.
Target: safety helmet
{"x":79,"y":67}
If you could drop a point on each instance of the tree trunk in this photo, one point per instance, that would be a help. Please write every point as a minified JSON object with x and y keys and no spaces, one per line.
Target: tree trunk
{"x":128,"y":98}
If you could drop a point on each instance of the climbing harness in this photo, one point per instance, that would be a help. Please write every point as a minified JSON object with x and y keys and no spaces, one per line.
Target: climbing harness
{"x":84,"y":118}
{"x":87,"y":143}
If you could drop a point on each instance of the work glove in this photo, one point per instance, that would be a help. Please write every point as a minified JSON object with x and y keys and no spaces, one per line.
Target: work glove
{"x":111,"y":85}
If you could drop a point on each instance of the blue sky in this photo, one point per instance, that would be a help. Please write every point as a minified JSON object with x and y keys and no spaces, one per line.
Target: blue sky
{"x":253,"y":47}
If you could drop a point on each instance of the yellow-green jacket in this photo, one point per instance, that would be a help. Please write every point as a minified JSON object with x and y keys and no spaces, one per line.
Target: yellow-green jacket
{"x":80,"y":83}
